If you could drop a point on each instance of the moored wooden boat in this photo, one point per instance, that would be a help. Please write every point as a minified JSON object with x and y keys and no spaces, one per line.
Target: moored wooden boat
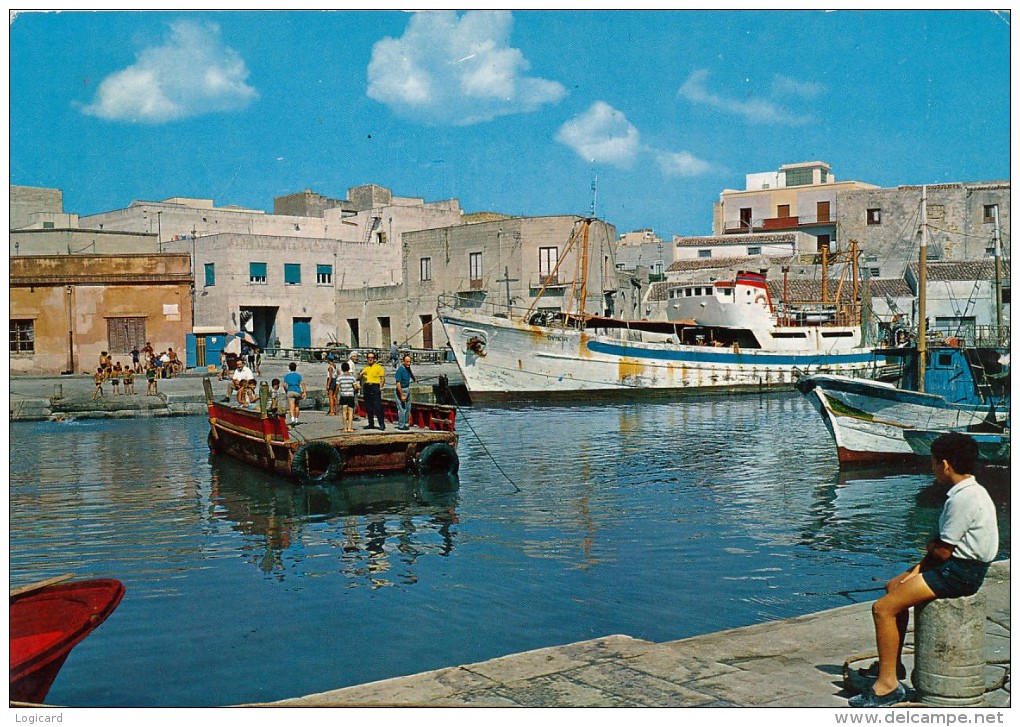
{"x":47,"y":620}
{"x":317,"y":452}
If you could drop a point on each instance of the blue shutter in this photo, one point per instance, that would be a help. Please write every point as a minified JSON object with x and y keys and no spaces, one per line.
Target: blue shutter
{"x":292,"y":273}
{"x":210,"y":274}
{"x":257,"y":272}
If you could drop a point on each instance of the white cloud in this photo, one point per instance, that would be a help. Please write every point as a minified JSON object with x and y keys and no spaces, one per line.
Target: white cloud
{"x":785,"y":86}
{"x":602,"y":134}
{"x":193,"y":73}
{"x":681,"y":164}
{"x":456,"y":69}
{"x":754,"y":110}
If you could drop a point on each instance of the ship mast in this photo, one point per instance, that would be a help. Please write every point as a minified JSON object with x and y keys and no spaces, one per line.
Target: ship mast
{"x":922,"y":284}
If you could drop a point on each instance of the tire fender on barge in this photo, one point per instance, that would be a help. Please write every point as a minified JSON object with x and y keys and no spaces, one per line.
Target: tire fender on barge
{"x":438,"y":458}
{"x":311,"y":456}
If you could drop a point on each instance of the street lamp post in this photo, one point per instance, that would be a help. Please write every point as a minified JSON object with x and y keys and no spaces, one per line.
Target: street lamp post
{"x":159,"y":228}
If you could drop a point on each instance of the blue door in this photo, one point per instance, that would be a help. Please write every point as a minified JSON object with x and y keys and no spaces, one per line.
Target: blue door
{"x":302,"y":333}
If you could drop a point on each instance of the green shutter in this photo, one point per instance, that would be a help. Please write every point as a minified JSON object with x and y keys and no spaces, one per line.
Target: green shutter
{"x":210,"y":274}
{"x":292,"y":273}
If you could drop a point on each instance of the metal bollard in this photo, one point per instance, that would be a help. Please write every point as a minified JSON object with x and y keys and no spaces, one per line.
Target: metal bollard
{"x":949,"y":651}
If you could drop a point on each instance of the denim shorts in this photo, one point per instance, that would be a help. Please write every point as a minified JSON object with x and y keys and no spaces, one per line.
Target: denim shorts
{"x":956,"y":577}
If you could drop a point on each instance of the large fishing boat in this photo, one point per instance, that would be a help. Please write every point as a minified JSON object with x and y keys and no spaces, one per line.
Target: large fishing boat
{"x":720,"y":336}
{"x":949,"y":381}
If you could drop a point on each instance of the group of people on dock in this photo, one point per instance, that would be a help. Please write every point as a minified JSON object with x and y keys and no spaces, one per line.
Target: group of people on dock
{"x":344,"y":382}
{"x":165,"y":365}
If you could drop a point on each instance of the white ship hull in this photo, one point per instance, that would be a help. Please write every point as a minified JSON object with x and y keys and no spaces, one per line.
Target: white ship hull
{"x":502,"y":359}
{"x":867,"y":419}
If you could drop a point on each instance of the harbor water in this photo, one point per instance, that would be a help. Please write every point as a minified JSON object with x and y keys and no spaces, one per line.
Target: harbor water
{"x":659,"y":520}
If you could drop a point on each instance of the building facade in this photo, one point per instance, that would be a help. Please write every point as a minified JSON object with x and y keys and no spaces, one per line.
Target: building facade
{"x":513,"y":263}
{"x":801,"y":197}
{"x":67,"y":309}
{"x":964,"y":221}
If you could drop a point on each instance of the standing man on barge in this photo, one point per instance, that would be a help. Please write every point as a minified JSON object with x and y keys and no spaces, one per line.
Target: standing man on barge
{"x":373,"y":376}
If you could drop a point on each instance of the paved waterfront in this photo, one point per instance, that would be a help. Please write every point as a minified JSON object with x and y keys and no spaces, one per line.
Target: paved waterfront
{"x":34,"y":398}
{"x":796,"y":662}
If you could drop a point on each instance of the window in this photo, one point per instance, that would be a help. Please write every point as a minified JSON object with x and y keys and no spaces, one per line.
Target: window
{"x":822,"y":211}
{"x":22,"y":336}
{"x":875,"y":272}
{"x":990,"y":212}
{"x":874,"y":216}
{"x":797,"y":177}
{"x":47,"y":225}
{"x":547,"y":257}
{"x":425,"y":268}
{"x":210,"y":274}
{"x":754,"y":251}
{"x":824,"y":243}
{"x":475,"y":266}
{"x":124,"y":334}
{"x":323,"y":274}
{"x":257,"y":273}
{"x":704,"y":253}
{"x":292,"y":274}
{"x":783,"y":211}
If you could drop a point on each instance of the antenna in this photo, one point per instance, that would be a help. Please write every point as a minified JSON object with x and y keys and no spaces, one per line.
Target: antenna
{"x":594,"y":192}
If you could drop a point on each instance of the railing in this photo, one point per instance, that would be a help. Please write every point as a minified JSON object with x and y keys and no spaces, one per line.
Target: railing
{"x":342,"y":353}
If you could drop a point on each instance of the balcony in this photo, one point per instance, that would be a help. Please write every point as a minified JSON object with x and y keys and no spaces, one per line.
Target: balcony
{"x":780,"y":223}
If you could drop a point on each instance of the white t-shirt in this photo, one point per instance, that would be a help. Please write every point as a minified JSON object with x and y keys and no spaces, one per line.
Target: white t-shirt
{"x":243,"y":374}
{"x":968,"y":521}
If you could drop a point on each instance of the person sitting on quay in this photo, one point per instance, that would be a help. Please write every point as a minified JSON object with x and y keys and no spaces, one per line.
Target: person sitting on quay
{"x":954,"y":566}
{"x":129,"y":380}
{"x":98,"y":378}
{"x":115,"y":373}
{"x":152,"y":387}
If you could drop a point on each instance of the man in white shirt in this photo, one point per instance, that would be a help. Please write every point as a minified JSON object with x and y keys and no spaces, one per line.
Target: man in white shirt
{"x":955,"y":565}
{"x":241,"y":375}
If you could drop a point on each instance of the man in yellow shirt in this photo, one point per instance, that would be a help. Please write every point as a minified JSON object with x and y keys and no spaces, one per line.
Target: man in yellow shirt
{"x":372,"y":378}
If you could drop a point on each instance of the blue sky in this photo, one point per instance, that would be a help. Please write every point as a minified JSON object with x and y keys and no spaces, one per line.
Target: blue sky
{"x":511,"y":112}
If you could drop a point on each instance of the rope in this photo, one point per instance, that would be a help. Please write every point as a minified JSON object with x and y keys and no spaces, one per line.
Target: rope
{"x":460,"y":411}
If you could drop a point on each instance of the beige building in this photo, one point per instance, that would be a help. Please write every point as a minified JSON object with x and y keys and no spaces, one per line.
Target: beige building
{"x":501,"y":263}
{"x":67,"y":309}
{"x":800,"y":197}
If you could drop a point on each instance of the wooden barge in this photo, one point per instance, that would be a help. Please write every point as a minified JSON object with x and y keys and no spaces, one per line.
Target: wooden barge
{"x":315,"y":452}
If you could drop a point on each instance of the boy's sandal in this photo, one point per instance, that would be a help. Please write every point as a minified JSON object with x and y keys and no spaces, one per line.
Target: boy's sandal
{"x":869,"y":699}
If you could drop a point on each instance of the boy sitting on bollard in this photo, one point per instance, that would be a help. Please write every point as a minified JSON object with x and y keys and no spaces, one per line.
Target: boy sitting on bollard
{"x":955,"y":565}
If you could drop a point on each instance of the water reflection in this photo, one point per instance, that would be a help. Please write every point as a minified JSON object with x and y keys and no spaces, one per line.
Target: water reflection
{"x":891,"y":510}
{"x":376,"y":528}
